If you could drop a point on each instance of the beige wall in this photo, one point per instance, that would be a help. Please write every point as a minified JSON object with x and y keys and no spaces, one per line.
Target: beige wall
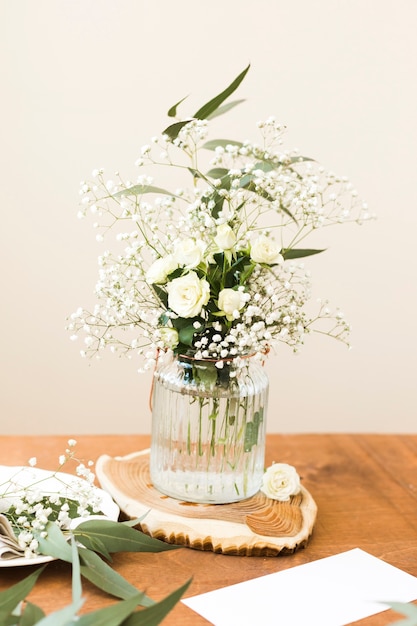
{"x":86,"y":82}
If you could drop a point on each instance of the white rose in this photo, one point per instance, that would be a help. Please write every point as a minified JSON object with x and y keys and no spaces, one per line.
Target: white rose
{"x":225,"y":238}
{"x":160,"y":270}
{"x":189,"y":253}
{"x":265,"y":250}
{"x":188,"y":294}
{"x":280,"y":481}
{"x":231,"y":302}
{"x":169,"y":336}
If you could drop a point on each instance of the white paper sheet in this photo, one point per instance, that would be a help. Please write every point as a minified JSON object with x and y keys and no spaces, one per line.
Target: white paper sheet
{"x":334,"y":591}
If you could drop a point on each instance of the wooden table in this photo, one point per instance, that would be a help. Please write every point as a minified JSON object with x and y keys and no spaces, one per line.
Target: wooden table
{"x":365,"y":487}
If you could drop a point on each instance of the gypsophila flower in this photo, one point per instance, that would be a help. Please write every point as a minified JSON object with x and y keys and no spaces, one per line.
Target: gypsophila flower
{"x":29,"y":507}
{"x":219,"y":255}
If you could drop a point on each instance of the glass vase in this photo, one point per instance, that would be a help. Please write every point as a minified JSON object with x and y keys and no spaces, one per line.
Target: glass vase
{"x":208,"y":429}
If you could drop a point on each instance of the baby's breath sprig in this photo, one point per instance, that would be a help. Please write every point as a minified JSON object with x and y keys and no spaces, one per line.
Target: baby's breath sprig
{"x":29,"y":505}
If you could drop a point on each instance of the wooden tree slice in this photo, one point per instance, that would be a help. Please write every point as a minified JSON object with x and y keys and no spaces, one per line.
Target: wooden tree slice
{"x":257,"y":526}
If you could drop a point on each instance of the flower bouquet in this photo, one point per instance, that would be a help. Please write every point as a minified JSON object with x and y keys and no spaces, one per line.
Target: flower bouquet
{"x":211,"y":272}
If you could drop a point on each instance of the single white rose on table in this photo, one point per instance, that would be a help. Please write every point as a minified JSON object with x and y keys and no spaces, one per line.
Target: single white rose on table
{"x":265,"y":250}
{"x":280,"y":482}
{"x":189,"y":253}
{"x":230,"y":302}
{"x":160,"y":269}
{"x":188,"y":294}
{"x":225,"y":238}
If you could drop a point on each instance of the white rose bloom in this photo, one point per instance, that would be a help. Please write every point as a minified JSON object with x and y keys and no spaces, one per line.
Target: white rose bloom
{"x":280,"y":481}
{"x":189,"y":253}
{"x":225,"y":238}
{"x":169,"y":336}
{"x":188,"y":294}
{"x":160,"y":270}
{"x":265,"y":250}
{"x":231,"y":302}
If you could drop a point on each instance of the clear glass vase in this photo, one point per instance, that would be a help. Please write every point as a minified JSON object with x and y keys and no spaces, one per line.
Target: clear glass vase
{"x":208,"y":429}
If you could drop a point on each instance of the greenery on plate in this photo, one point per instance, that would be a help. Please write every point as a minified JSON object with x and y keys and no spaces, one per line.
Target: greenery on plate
{"x":42,"y":524}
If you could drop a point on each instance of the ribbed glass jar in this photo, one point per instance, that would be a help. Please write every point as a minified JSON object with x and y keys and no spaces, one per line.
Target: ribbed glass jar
{"x":208,"y":429}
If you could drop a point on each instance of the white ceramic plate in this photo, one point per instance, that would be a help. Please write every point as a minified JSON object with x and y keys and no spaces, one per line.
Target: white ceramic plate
{"x":26,"y":476}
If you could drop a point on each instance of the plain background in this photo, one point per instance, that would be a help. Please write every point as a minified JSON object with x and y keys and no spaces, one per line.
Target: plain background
{"x":85,"y":83}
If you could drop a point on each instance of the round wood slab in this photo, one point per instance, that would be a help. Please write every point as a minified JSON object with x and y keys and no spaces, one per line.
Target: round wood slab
{"x":257,"y":526}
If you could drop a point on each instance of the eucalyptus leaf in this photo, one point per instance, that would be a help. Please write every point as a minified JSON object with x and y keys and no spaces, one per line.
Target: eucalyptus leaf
{"x":76,"y":575}
{"x":213,"y":104}
{"x":224,"y":109}
{"x":63,"y":617}
{"x":107,"y":579}
{"x":31,"y":615}
{"x":96,"y":545}
{"x":140,"y":190}
{"x":298,"y":253}
{"x":10,"y":598}
{"x":153,"y":615}
{"x":173,"y":131}
{"x":218,"y":172}
{"x":112,"y":615}
{"x":208,"y":109}
{"x":119,"y":537}
{"x":405,"y":608}
{"x":135,"y":521}
{"x":54,"y":544}
{"x":172,"y":112}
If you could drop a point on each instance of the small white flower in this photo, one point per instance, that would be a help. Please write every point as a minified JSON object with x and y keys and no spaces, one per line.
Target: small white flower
{"x":280,"y":482}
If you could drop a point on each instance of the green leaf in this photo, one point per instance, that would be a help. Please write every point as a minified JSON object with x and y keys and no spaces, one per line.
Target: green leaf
{"x":161,"y":294}
{"x":55,"y":544}
{"x":10,"y":598}
{"x":214,"y":143}
{"x":76,"y":576}
{"x":154,"y":615}
{"x":119,"y":537}
{"x":407,"y":609}
{"x":213,"y":104}
{"x":174,"y":130}
{"x":31,"y":615}
{"x":112,"y":615}
{"x":186,"y":335}
{"x":139,"y":190}
{"x":172,"y":112}
{"x":224,"y":109}
{"x":208,"y":109}
{"x":106,"y":578}
{"x":206,"y":373}
{"x":218,"y":172}
{"x":298,"y":253}
{"x":63,"y":617}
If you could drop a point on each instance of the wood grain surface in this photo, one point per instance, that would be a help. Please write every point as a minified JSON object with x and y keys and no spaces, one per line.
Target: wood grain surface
{"x":257,"y":526}
{"x":365,"y":488}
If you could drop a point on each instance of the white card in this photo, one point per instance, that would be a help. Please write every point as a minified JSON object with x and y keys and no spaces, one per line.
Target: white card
{"x":334,"y":591}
